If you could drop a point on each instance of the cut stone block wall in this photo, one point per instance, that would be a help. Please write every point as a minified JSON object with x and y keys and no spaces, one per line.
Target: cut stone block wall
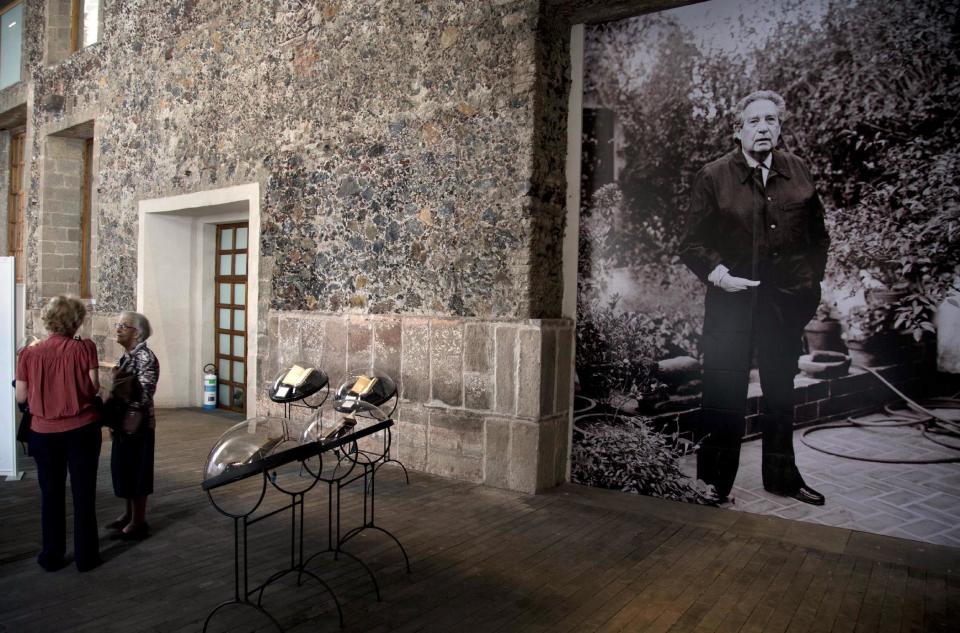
{"x":58,"y":244}
{"x":58,"y":29}
{"x":484,"y":401}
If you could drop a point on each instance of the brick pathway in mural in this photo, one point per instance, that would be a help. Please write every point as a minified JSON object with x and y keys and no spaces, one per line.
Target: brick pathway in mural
{"x":915,"y":501}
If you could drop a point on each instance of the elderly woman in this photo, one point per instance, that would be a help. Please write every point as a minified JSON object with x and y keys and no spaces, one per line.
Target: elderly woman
{"x":58,"y":379}
{"x":131,"y":462}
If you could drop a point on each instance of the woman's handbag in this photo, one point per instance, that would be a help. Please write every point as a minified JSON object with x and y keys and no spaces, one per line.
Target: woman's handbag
{"x":118,"y":412}
{"x":23,"y":429}
{"x":133,"y":421}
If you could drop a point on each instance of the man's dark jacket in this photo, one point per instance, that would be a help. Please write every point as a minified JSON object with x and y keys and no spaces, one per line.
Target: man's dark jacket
{"x":774,"y":234}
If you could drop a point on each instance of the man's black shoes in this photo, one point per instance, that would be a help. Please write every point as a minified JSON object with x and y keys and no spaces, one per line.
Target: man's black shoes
{"x":807,"y":494}
{"x":804,"y":493}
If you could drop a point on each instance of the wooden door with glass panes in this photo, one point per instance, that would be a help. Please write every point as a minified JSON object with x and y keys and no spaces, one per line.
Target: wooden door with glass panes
{"x":231,"y":316}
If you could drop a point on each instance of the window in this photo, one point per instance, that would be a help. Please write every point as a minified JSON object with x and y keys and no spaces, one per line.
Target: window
{"x":15,"y":201}
{"x":11,"y":38}
{"x":84,"y":23}
{"x":85,"y":193}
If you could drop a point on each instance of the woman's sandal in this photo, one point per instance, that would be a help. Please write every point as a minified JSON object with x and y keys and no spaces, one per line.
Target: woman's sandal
{"x":138,"y":533}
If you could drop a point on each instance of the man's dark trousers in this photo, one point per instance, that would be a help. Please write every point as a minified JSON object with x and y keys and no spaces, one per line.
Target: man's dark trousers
{"x":727,"y":361}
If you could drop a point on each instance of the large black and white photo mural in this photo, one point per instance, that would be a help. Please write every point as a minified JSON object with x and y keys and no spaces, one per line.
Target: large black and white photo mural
{"x":769,"y":255}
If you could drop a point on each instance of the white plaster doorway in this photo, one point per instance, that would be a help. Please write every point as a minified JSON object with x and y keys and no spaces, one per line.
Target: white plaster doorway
{"x":176,"y":267}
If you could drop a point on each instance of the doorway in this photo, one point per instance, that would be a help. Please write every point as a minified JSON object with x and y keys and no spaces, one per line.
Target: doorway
{"x":179,"y":261}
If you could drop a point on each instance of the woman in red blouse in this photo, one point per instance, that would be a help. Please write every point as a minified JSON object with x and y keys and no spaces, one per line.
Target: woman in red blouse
{"x":58,"y":379}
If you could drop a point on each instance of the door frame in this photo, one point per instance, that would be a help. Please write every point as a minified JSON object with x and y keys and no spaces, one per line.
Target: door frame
{"x":180,"y":222}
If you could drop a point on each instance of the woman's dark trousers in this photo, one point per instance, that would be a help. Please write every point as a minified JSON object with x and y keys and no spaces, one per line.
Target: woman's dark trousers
{"x":76,"y":451}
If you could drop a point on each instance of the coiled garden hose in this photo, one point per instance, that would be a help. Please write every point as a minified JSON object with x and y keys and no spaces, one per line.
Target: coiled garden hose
{"x":932,"y":424}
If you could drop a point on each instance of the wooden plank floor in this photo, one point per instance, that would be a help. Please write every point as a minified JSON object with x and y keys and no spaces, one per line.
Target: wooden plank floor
{"x":574,"y":559}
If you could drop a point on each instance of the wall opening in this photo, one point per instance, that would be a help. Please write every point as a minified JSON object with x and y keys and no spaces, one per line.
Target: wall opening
{"x":65,"y":246}
{"x":11,"y":44}
{"x":16,"y":197}
{"x":176,"y":266}
{"x":14,"y":141}
{"x":71,"y":25}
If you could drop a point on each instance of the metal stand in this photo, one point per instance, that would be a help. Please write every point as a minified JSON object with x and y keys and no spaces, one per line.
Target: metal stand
{"x":369,"y":476}
{"x":303,"y":403}
{"x":242,"y":596}
{"x":369,"y":463}
{"x":334,"y":543}
{"x":262,"y":459}
{"x":386,"y":457}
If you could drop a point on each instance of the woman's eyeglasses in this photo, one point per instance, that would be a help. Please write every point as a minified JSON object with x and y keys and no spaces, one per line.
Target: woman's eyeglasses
{"x":122,"y":326}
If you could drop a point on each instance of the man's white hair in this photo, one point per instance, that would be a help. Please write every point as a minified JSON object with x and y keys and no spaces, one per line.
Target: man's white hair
{"x":759,"y":95}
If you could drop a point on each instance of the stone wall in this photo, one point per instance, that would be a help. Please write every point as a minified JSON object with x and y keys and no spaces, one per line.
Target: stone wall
{"x":4,"y":189}
{"x":59,"y":236}
{"x":393,"y":142}
{"x":410,"y":158}
{"x":484,"y":401}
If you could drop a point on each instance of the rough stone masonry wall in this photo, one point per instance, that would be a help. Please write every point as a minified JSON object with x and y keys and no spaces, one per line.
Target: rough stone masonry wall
{"x":397,"y":147}
{"x":393,"y":142}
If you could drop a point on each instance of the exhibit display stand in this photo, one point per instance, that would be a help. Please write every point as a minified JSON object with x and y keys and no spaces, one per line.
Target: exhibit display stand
{"x":8,"y":350}
{"x":248,"y":458}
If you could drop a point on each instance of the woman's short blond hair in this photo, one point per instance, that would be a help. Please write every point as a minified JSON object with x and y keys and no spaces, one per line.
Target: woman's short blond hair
{"x":64,"y":315}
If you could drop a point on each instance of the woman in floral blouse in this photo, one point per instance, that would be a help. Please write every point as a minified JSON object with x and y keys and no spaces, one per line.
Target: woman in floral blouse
{"x":131,"y":462}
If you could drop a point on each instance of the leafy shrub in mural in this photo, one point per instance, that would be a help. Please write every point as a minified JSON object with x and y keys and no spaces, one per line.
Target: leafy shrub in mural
{"x":598,"y":236}
{"x":890,"y":153}
{"x":617,"y":351}
{"x":909,"y":238}
{"x":614,"y":353}
{"x":632,"y":457}
{"x":618,"y":348}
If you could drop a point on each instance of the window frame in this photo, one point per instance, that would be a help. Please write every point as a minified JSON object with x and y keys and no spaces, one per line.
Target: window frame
{"x":3,"y":11}
{"x":16,"y":197}
{"x":86,"y":215}
{"x":76,"y":25}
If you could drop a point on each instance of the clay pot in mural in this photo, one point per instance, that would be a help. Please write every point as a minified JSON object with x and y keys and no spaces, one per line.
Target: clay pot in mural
{"x":679,"y":373}
{"x":590,"y":423}
{"x":948,"y":335}
{"x":874,"y":351}
{"x":591,"y":380}
{"x":824,"y":335}
{"x":824,"y":364}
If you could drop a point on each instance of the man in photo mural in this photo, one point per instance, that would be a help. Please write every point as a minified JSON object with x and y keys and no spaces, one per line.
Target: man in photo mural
{"x":756,"y":237}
